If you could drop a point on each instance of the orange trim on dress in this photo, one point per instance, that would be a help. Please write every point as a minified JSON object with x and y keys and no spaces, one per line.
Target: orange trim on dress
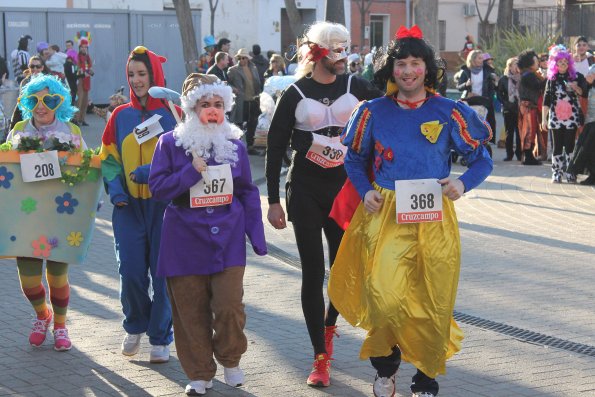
{"x":463,"y":131}
{"x":360,"y":129}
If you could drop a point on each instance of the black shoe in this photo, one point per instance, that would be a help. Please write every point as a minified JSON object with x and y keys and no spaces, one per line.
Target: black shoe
{"x":84,"y":124}
{"x":589,"y":181}
{"x":507,"y":158}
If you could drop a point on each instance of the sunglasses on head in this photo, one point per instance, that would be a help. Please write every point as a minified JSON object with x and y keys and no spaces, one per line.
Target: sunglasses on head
{"x":36,"y":66}
{"x":50,"y":101}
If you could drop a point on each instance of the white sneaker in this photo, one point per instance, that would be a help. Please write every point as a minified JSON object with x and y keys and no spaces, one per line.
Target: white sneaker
{"x":131,"y":344}
{"x":198,"y":387}
{"x":384,"y":387}
{"x":234,"y":376}
{"x":423,"y":394}
{"x":159,"y":354}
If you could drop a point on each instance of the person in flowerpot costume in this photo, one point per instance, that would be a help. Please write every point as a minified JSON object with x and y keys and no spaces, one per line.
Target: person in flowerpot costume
{"x":46,"y":108}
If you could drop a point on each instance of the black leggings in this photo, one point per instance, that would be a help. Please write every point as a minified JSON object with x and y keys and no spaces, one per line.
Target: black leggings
{"x":311,"y":249}
{"x":564,"y":138}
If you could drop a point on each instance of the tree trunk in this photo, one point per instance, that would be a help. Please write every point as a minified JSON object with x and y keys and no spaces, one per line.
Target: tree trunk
{"x":213,"y":8}
{"x":295,"y":18}
{"x":426,"y":17}
{"x":335,"y":11}
{"x":504,"y":21}
{"x":184,"y":15}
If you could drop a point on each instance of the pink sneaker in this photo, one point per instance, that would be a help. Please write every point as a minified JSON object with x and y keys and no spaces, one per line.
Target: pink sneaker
{"x":40,"y":329}
{"x":61,"y":340}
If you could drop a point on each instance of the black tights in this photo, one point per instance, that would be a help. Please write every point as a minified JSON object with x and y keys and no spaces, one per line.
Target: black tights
{"x":564,"y":139}
{"x":310,"y":247}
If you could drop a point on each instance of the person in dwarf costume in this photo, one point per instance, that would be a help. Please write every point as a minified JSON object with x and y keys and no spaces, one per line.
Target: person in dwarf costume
{"x":398,"y":281}
{"x":202,"y":169}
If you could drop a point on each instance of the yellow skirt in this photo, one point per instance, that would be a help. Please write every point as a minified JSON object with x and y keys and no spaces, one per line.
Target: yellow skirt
{"x":399,"y":282}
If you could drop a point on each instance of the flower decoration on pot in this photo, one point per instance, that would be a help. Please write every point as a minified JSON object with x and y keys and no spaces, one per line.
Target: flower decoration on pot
{"x":41,"y":247}
{"x":66,"y":203}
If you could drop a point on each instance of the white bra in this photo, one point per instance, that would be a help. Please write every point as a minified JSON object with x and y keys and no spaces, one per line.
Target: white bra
{"x":311,"y":115}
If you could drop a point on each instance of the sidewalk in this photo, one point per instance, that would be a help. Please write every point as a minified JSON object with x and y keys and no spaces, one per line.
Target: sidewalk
{"x":527,"y":263}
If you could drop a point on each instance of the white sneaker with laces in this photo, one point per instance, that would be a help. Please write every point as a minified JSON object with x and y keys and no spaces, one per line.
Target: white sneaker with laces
{"x":384,"y":387}
{"x":159,"y":354}
{"x":198,"y":387}
{"x":234,"y":376}
{"x":131,"y":344}
{"x":423,"y":394}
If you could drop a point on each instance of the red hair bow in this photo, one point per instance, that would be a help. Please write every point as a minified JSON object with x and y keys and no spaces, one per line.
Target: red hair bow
{"x":317,"y":52}
{"x":415,"y":32}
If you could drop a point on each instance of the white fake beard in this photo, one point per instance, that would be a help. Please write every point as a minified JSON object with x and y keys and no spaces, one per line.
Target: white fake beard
{"x":208,"y":140}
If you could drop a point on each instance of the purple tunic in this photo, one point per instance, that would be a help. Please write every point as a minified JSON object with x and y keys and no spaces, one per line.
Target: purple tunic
{"x":203,"y":240}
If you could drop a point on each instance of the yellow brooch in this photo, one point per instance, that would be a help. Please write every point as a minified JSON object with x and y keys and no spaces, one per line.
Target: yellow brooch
{"x":432,"y":130}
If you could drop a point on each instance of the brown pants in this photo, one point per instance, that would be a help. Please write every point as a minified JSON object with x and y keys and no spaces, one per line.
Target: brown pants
{"x":82,"y":102}
{"x":209,"y":319}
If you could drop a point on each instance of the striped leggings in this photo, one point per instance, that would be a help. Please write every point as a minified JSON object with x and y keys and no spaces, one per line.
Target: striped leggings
{"x":30,"y":275}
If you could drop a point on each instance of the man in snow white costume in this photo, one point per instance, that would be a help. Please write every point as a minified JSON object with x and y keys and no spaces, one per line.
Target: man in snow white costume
{"x":398,"y":281}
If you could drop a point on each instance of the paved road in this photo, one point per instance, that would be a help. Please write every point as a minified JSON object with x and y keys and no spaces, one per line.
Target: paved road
{"x":527,"y":264}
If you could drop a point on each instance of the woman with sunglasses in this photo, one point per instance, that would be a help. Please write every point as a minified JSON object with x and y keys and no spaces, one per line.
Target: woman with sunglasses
{"x":137,"y":216}
{"x":46,"y":107}
{"x":36,"y":66}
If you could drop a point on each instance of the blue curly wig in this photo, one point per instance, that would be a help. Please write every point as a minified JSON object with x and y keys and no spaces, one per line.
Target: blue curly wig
{"x":65,"y":111}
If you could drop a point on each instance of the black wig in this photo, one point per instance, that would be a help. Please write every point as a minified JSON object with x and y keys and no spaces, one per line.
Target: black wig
{"x":385,"y":57}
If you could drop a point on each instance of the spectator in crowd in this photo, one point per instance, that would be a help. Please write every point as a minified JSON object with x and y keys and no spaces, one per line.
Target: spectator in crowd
{"x":4,"y":74}
{"x":583,"y":59}
{"x":56,"y":61}
{"x":530,"y":88}
{"x":245,"y":83}
{"x":20,"y":58}
{"x":69,"y":45}
{"x":219,"y":68}
{"x":368,"y":72}
{"x":36,"y":67}
{"x":583,"y":158}
{"x":206,"y":58}
{"x":354,"y":49}
{"x":561,"y":112}
{"x":43,"y":50}
{"x":479,"y":80}
{"x":508,"y":95}
{"x":84,"y":73}
{"x":542,"y":62}
{"x":70,"y":71}
{"x":260,"y":62}
{"x":276,"y":67}
{"x":224,"y":45}
{"x":355,"y":64}
{"x":467,"y":47}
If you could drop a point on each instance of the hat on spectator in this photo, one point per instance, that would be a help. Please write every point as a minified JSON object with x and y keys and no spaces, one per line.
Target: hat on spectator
{"x":486,"y":56}
{"x":209,"y":41}
{"x":353,"y":58}
{"x":42,"y":45}
{"x":242,"y":52}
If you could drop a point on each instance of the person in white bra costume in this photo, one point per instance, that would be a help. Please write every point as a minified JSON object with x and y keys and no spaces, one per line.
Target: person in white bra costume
{"x":309,"y":117}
